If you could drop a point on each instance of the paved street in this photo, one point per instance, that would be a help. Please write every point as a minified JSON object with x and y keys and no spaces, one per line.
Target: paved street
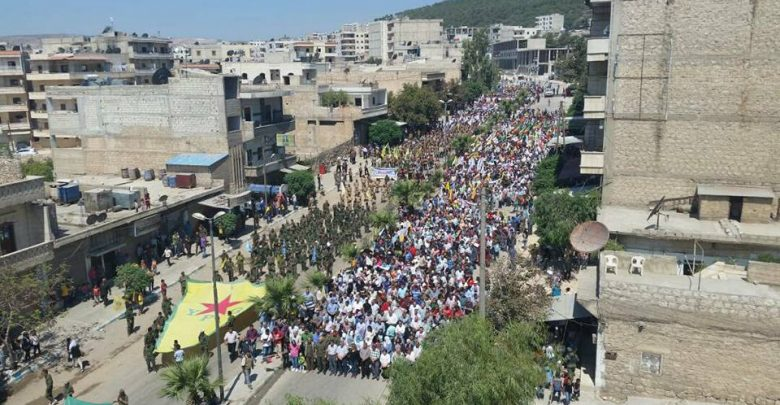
{"x":344,"y":390}
{"x":116,"y":360}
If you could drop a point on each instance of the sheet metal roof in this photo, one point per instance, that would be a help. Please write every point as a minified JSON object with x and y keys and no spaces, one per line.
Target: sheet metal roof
{"x":196,"y":159}
{"x":734,"y":191}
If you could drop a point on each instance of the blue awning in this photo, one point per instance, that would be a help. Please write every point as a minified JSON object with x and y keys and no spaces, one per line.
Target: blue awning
{"x":197,"y":159}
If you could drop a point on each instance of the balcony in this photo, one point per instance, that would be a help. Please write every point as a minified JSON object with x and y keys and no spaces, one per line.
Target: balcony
{"x":594,"y":108}
{"x":592,"y":163}
{"x":37,"y":95}
{"x":41,"y":133}
{"x":18,"y":126}
{"x":11,"y":71}
{"x":21,"y":192}
{"x":270,"y":166}
{"x":251,"y":91}
{"x":26,"y":258}
{"x":258,"y":130}
{"x":598,"y":50}
{"x":151,"y":55}
{"x":12,"y":90}
{"x":64,"y":120}
{"x":10,"y":108}
{"x":39,"y":114}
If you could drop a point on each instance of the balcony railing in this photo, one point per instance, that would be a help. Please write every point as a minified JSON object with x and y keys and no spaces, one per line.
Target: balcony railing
{"x":598,"y":49}
{"x":11,"y":70}
{"x":12,"y":90}
{"x":26,"y":258}
{"x":258,"y":130}
{"x":13,"y":108}
{"x":594,"y":108}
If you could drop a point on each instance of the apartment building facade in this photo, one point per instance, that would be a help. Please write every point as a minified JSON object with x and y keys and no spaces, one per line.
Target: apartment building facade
{"x":404,"y":39}
{"x":550,"y":22}
{"x":681,"y":119}
{"x":14,"y":112}
{"x":501,"y":33}
{"x":353,"y":42}
{"x":527,"y":56}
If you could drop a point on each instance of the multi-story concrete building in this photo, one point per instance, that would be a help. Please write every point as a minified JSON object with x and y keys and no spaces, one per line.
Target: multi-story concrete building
{"x":686,"y":120}
{"x":527,"y":56}
{"x":353,"y":42}
{"x":141,"y":54}
{"x":402,"y":39}
{"x":549,"y":22}
{"x":47,"y":71}
{"x":14,"y":118}
{"x":460,"y":34}
{"x":501,"y":33}
{"x":25,"y":219}
{"x":315,"y":51}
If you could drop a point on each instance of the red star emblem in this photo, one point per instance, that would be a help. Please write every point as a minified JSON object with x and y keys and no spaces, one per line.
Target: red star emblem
{"x":222,"y":307}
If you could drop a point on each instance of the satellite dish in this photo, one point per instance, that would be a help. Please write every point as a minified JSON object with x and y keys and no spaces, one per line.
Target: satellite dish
{"x":589,"y":237}
{"x":91,"y":219}
{"x":161,"y":76}
{"x":102,"y":217}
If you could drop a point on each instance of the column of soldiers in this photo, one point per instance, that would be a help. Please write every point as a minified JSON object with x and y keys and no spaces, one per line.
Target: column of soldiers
{"x":152,"y":332}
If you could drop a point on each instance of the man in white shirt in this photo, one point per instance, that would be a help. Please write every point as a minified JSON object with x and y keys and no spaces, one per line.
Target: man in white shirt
{"x":332,"y":349}
{"x":341,"y":355}
{"x":231,"y":339}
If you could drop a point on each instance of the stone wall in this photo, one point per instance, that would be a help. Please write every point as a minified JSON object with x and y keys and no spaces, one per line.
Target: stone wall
{"x":691,"y":102}
{"x":10,"y":170}
{"x":711,"y":347}
{"x":713,"y":207}
{"x":764,"y":273}
{"x":757,"y":209}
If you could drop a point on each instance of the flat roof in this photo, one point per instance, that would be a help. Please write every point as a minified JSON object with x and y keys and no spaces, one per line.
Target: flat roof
{"x":681,"y":226}
{"x":196,"y":159}
{"x":734,"y":191}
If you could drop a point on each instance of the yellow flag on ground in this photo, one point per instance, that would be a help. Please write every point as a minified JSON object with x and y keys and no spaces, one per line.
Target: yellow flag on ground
{"x":195,"y":312}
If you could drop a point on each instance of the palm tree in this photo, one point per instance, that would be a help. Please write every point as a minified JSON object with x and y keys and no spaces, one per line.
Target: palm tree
{"x":281,"y":298}
{"x":317,"y":279}
{"x":384,"y":219}
{"x":349,"y":251}
{"x":189,"y":381}
{"x":407,"y":192}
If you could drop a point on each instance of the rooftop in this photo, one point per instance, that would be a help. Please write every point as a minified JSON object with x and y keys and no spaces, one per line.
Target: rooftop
{"x":196,"y":159}
{"x":681,"y":226}
{"x":72,"y":221}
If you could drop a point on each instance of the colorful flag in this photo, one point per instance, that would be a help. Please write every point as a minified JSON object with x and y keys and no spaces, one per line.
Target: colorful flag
{"x":195,"y":312}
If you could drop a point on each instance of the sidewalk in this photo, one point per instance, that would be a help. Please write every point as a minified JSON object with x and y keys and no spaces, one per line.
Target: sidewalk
{"x":119,"y":357}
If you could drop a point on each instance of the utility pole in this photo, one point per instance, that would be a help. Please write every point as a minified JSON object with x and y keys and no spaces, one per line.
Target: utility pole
{"x":482,"y":275}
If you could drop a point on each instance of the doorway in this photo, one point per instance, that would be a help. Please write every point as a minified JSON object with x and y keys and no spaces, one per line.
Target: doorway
{"x":735,"y":208}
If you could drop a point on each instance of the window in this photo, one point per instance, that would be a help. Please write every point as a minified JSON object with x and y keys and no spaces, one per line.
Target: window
{"x":41,"y":87}
{"x":63,"y":107}
{"x":233,"y":123}
{"x":311,"y":122}
{"x":213,"y":53}
{"x":651,"y":363}
{"x":17,"y":100}
{"x":358,"y":101}
{"x":249,"y":154}
{"x":7,"y":239}
{"x":327,"y":123}
{"x":197,"y":53}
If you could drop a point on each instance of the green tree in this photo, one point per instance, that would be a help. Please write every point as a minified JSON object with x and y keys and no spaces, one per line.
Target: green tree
{"x":189,"y":381}
{"x":317,"y":279}
{"x":556,"y":213}
{"x":34,"y":167}
{"x":418,"y":107}
{"x":469,"y":362}
{"x":335,"y":99}
{"x":385,"y":132}
{"x":514,"y":294}
{"x":546,"y":178}
{"x":348,"y":251}
{"x":461,"y":144}
{"x":472,"y":90}
{"x":133,"y":278}
{"x":25,"y":299}
{"x":478,"y":66}
{"x":409,"y":192}
{"x":386,"y":218}
{"x":281,"y":298}
{"x":300,"y":183}
{"x":228,"y":223}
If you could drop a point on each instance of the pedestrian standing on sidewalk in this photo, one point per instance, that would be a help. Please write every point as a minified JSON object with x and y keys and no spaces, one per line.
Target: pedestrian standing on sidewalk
{"x":203,"y":341}
{"x":251,"y":338}
{"x":36,"y":344}
{"x":168,"y":253}
{"x":231,"y":338}
{"x":49,"y":386}
{"x":163,"y":289}
{"x":247,"y":363}
{"x":122,"y":398}
{"x":183,"y":284}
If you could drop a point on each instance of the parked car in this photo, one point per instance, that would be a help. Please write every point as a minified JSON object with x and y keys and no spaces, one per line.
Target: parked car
{"x":549,"y":92}
{"x":24,"y":149}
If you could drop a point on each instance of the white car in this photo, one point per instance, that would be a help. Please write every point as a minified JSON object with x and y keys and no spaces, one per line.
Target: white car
{"x":25,"y":151}
{"x":549,"y":93}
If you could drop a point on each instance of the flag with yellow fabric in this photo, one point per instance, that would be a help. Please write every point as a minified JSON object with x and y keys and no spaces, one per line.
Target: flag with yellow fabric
{"x":196,"y":310}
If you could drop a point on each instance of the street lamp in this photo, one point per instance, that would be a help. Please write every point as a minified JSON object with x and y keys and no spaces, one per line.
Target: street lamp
{"x":201,"y":217}
{"x":446,"y":103}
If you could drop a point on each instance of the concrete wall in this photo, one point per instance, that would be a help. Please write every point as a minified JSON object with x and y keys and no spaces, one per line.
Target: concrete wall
{"x":758,"y":209}
{"x":764,"y":273}
{"x":713,"y":347}
{"x":712,"y":207}
{"x":690,"y":99}
{"x":654,"y":264}
{"x":142,"y":126}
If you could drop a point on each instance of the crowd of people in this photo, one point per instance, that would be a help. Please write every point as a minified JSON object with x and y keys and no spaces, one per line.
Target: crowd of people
{"x":420,"y":274}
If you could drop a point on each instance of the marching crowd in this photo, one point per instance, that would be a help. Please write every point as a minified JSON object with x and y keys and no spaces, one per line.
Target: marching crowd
{"x":421,"y":273}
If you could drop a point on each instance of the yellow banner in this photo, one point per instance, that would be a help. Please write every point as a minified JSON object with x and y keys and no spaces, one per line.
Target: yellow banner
{"x":195,"y":312}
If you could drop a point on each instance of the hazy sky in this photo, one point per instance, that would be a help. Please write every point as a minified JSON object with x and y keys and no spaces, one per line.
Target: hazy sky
{"x":222,"y":19}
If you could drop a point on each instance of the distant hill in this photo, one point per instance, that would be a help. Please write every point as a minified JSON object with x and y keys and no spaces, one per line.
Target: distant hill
{"x":482,"y":13}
